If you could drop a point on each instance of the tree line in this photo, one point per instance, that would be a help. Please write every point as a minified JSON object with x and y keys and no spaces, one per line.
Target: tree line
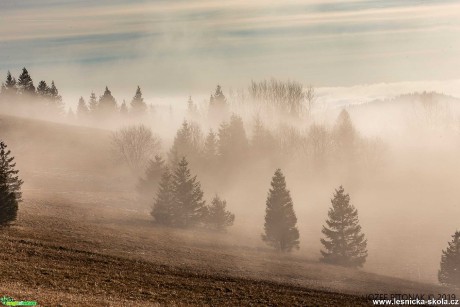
{"x":231,"y":147}
{"x":23,"y":93}
{"x":106,"y":107}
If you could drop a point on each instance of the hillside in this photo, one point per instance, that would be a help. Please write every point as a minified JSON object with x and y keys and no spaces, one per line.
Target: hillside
{"x":79,"y":241}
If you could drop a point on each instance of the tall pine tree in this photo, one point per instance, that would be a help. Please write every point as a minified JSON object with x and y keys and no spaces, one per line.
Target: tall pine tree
{"x":210,"y":150}
{"x":233,"y":142}
{"x":280,"y":220}
{"x":163,"y":210}
{"x":9,"y":87}
{"x":55,"y":98}
{"x":82,"y":109}
{"x":218,"y":106}
{"x":189,"y":204}
{"x":25,"y":83}
{"x":218,"y":218}
{"x":344,"y":245}
{"x":192,"y":109}
{"x":186,"y":143}
{"x":43,"y":90}
{"x":10,"y":187}
{"x":345,"y":137}
{"x":449,"y":273}
{"x":93,"y":103}
{"x":124,"y":108}
{"x":153,"y":173}
{"x":138,"y":105}
{"x":107,"y":105}
{"x":262,"y":141}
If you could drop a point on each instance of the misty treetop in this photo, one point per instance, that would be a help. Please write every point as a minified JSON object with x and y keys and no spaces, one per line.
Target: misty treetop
{"x":449,"y":272}
{"x":280,"y":220}
{"x":10,"y":186}
{"x":152,"y":177}
{"x":210,"y":150}
{"x":93,"y":103}
{"x":107,"y":104}
{"x":22,"y":93}
{"x":25,"y":83}
{"x":9,"y":87}
{"x":218,"y":218}
{"x":107,"y":107}
{"x":124,"y":108}
{"x":187,"y":142}
{"x":233,"y":142}
{"x":263,"y":141}
{"x":192,"y":110}
{"x":138,"y":105}
{"x":344,"y":243}
{"x":218,"y":106}
{"x":82,"y":109}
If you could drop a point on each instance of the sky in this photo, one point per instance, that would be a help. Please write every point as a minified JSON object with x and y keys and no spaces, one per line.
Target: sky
{"x":177,"y":48}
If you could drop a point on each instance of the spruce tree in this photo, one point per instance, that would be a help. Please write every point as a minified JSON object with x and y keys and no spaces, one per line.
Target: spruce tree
{"x":54,"y":93}
{"x":124,"y":108}
{"x":233,"y":142}
{"x":153,"y":173}
{"x":82,"y":109}
{"x":93,"y":103}
{"x":219,"y":98}
{"x":9,"y":87}
{"x":138,"y":105}
{"x":262,"y":141}
{"x":43,"y":90}
{"x":192,"y":110}
{"x":189,"y":204}
{"x":10,"y":82}
{"x":449,"y":273}
{"x":10,"y":187}
{"x":218,"y":218}
{"x":345,"y":137}
{"x":218,"y":106}
{"x":107,"y":105}
{"x":25,"y":83}
{"x":344,"y":245}
{"x":186,"y":143}
{"x":210,"y":150}
{"x":163,"y":210}
{"x":280,"y":220}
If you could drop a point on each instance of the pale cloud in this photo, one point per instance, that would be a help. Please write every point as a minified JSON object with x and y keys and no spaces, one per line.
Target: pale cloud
{"x":189,"y":46}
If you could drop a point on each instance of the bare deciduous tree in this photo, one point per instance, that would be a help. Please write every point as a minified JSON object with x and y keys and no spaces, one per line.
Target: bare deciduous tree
{"x":135,"y":145}
{"x":310,"y":98}
{"x":287,"y":97}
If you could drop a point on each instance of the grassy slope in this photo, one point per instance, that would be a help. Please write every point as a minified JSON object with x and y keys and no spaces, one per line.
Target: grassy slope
{"x":81,"y":247}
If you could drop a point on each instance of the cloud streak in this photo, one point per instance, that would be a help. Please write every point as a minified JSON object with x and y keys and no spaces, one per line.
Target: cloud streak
{"x":322,"y":42}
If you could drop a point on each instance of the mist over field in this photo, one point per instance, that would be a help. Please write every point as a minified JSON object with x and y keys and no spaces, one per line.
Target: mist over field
{"x":195,"y":153}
